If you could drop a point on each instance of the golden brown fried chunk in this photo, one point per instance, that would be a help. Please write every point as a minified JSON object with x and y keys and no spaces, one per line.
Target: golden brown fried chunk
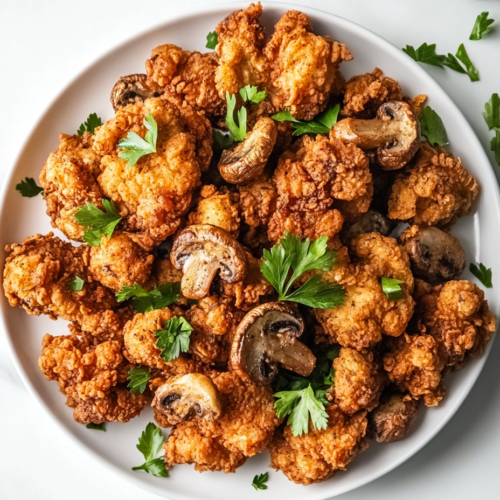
{"x":314,"y":457}
{"x":37,"y":275}
{"x":69,"y":180}
{"x":163,"y":272}
{"x":244,"y":429}
{"x":358,"y":381}
{"x":190,"y":75}
{"x":364,"y":94}
{"x":257,"y":201}
{"x":367,"y":313}
{"x":120,"y":261}
{"x":154,"y":194}
{"x":436,"y":190}
{"x":304,"y":66}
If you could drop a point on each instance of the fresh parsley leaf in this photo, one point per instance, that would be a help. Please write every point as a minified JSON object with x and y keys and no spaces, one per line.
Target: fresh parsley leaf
{"x":260,"y":480}
{"x":135,"y":147}
{"x":174,"y":338}
{"x":212,"y":40}
{"x":93,"y":121}
{"x":495,"y":145}
{"x":465,"y":59}
{"x":28,"y":188}
{"x":318,"y":294}
{"x":97,"y":427}
{"x":425,"y":54}
{"x":492,"y":112}
{"x":250,"y":93}
{"x":482,"y":273}
{"x":482,"y":26}
{"x":432,"y":127}
{"x":452,"y":62}
{"x":138,"y":379}
{"x":320,"y":125}
{"x":76,"y":285}
{"x":391,"y":287}
{"x":238,"y":130}
{"x":144,"y":301}
{"x":98,"y":221}
{"x":92,"y":238}
{"x":150,"y":444}
{"x":284,"y":116}
{"x":221,"y":140}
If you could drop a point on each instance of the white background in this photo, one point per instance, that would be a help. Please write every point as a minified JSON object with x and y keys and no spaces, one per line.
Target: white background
{"x":46,"y":43}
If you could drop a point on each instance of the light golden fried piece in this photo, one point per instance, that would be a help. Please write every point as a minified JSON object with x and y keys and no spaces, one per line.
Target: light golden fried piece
{"x":120,"y":261}
{"x":154,"y":194}
{"x":190,"y":75}
{"x":240,"y":45}
{"x":37,"y":275}
{"x":436,"y":190}
{"x":316,"y":456}
{"x":69,"y":180}
{"x":358,"y":381}
{"x":367,"y":313}
{"x":244,"y":429}
{"x":163,"y":272}
{"x":304,"y":66}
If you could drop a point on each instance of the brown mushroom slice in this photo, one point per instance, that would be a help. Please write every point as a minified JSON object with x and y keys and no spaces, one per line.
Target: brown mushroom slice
{"x":370,"y":222}
{"x":435,"y":255}
{"x":391,"y":421}
{"x":131,"y":89}
{"x":395,"y":132}
{"x":266,"y":339}
{"x":247,"y":160}
{"x":186,"y":397}
{"x":203,"y":250}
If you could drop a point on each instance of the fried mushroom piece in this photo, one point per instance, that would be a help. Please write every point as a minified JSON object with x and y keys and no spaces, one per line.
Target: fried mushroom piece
{"x":316,"y":456}
{"x":244,"y":429}
{"x":303,"y":88}
{"x":370,"y":222}
{"x":436,"y":190}
{"x":132,"y":89}
{"x":69,"y":180}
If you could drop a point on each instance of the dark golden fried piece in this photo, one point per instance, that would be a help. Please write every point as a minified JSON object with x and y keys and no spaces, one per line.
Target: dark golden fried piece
{"x":258,"y":201}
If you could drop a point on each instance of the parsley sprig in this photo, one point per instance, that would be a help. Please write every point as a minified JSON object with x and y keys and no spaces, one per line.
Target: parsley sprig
{"x":97,"y":222}
{"x":174,"y":338}
{"x":482,"y":26}
{"x":135,"y":147}
{"x":320,"y":125}
{"x":76,"y":285}
{"x":251,"y":93}
{"x":495,"y":146}
{"x":150,"y":444}
{"x":392,"y":288}
{"x":97,"y":427}
{"x":492,"y":112}
{"x":28,"y":188}
{"x":138,"y":379}
{"x":482,"y":273}
{"x":212,"y":40}
{"x":425,"y":54}
{"x":432,"y":127}
{"x":238,"y":127}
{"x":93,"y":121}
{"x":144,"y":301}
{"x":260,"y":480}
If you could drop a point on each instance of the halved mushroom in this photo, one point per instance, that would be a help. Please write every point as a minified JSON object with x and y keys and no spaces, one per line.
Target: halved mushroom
{"x":395,"y":132}
{"x":392,"y":420}
{"x":266,"y":339}
{"x":131,"y":89}
{"x":188,"y":396}
{"x":203,"y":250}
{"x":247,"y":160}
{"x":370,"y":222}
{"x":435,"y":255}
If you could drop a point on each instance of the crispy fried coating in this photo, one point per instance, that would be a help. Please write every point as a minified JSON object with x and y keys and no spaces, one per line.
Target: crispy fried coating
{"x":244,"y":429}
{"x":258,"y":201}
{"x":69,"y":180}
{"x":120,"y":261}
{"x":190,"y":75}
{"x":314,"y":457}
{"x":436,"y":190}
{"x":163,"y":272}
{"x":155,"y":193}
{"x":358,"y":381}
{"x":367,"y":313}
{"x":364,"y":94}
{"x":36,"y":277}
{"x":303,"y":66}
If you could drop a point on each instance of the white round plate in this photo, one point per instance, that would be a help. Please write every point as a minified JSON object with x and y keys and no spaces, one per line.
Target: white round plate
{"x":22,"y":217}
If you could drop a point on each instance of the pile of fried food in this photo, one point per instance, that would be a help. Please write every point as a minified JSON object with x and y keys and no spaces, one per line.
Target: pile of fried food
{"x":175,"y":285}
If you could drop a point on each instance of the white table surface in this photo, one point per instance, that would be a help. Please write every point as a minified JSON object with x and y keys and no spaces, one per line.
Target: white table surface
{"x":44,"y":45}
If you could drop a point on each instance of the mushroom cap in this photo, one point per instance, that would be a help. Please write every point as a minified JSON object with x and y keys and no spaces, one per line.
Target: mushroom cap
{"x":247,"y":160}
{"x":435,"y":255}
{"x":370,"y":222}
{"x":132,"y":88}
{"x":266,"y":338}
{"x":186,"y":397}
{"x":202,"y":250}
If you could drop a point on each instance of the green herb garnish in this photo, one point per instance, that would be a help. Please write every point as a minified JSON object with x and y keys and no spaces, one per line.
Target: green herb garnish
{"x":482,"y":273}
{"x":320,"y":125}
{"x":425,"y":54}
{"x":251,"y":93}
{"x":76,"y":285}
{"x":222,"y":140}
{"x":93,"y":121}
{"x":150,"y":444}
{"x":97,"y":222}
{"x":212,"y":40}
{"x":135,"y":147}
{"x":97,"y":427}
{"x":392,"y":288}
{"x":482,"y":26}
{"x":495,"y":145}
{"x":432,"y":127}
{"x":238,"y":130}
{"x":28,"y":188}
{"x":138,"y":379}
{"x":174,"y":338}
{"x":260,"y":480}
{"x":492,"y":112}
{"x":144,"y":301}
{"x":465,"y":59}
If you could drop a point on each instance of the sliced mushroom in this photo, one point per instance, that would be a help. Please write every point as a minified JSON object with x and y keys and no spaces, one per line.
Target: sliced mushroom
{"x":370,"y":222}
{"x":395,"y":132}
{"x":203,"y":250}
{"x":391,"y":421}
{"x":435,"y":255}
{"x":247,"y":160}
{"x":188,"y":396}
{"x":266,"y":339}
{"x":131,"y":89}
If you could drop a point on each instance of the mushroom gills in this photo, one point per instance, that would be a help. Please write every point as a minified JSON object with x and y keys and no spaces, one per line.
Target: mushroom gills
{"x":370,"y":222}
{"x":132,"y":88}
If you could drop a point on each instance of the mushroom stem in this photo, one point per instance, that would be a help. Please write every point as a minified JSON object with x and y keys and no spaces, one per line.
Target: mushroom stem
{"x":367,"y":134}
{"x":199,"y":271}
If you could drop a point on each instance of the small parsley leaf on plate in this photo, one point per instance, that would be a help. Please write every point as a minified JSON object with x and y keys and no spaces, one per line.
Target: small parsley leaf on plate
{"x":433,"y":127}
{"x":150,"y":444}
{"x":482,"y":273}
{"x":76,"y":285}
{"x":482,"y":26}
{"x":212,"y":40}
{"x":98,"y":222}
{"x":93,"y":121}
{"x":28,"y":188}
{"x":97,"y":427}
{"x":392,"y":288}
{"x":425,"y":54}
{"x":174,"y":338}
{"x":222,"y":140}
{"x":465,"y":59}
{"x":452,"y":62}
{"x":321,"y":124}
{"x":138,"y":379}
{"x":492,"y":112}
{"x":251,"y":93}
{"x":495,"y":145}
{"x":238,"y":129}
{"x":260,"y":480}
{"x":135,"y":147}
{"x":144,"y":301}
